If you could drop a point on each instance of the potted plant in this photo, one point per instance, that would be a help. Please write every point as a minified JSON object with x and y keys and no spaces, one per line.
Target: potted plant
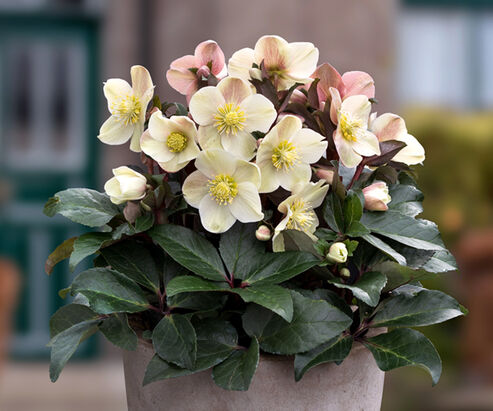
{"x":272,"y":233}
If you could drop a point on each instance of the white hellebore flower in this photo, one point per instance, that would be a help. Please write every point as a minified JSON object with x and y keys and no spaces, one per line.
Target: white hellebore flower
{"x":390,"y":126}
{"x":126,"y":185}
{"x":171,"y":142}
{"x":286,"y":63}
{"x":377,"y":196}
{"x":228,"y":114}
{"x":298,"y":211}
{"x":127,"y":105}
{"x":286,"y":152}
{"x":224,"y":189}
{"x":352,"y":138}
{"x":337,"y":253}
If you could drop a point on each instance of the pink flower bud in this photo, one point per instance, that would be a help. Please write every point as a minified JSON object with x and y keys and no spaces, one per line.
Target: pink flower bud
{"x":324,"y":174}
{"x":377,"y":196}
{"x":263,"y":233}
{"x":203,"y":71}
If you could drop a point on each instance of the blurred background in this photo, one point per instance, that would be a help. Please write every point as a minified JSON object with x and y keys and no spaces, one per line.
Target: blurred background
{"x":432,"y":62}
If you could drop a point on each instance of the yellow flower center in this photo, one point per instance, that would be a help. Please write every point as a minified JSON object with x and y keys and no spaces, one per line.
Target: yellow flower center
{"x":302,"y":216}
{"x":348,"y":127}
{"x":229,"y":119}
{"x":176,"y":142}
{"x":223,"y":189}
{"x":128,"y":109}
{"x":284,"y":155}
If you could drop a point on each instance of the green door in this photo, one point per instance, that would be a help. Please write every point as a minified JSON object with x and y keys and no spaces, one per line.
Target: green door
{"x":48,"y":125}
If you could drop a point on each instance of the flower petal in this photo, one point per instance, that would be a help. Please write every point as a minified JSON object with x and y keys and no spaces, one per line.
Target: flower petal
{"x":284,"y":130}
{"x":204,"y":104}
{"x":215,"y":218}
{"x":234,"y":90}
{"x":209,"y":52}
{"x":268,"y":178}
{"x":358,"y":82}
{"x":413,"y":153}
{"x":115,"y":89}
{"x":138,"y":129}
{"x":183,"y":81}
{"x":184,"y":63}
{"x":259,"y":113}
{"x":329,"y":77}
{"x":247,"y":172}
{"x":302,"y":58}
{"x":184,"y":125}
{"x":246,"y":206}
{"x":208,"y":137}
{"x":174,"y":165}
{"x":335,"y":104}
{"x":388,"y":126}
{"x":213,"y":162}
{"x":273,"y":51}
{"x":242,"y":145}
{"x":359,"y":107}
{"x":240,"y":63}
{"x":141,"y":81}
{"x":309,"y":144}
{"x":345,"y":150}
{"x":314,"y":193}
{"x":366,"y":143}
{"x":114,"y":131}
{"x":195,"y":188}
{"x":155,"y":148}
{"x":298,"y":173}
{"x":160,"y":127}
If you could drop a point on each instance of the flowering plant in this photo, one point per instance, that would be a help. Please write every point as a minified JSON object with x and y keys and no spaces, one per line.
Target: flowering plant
{"x":275,"y":214}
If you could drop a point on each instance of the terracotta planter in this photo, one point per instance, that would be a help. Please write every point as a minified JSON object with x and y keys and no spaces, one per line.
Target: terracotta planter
{"x":356,"y":384}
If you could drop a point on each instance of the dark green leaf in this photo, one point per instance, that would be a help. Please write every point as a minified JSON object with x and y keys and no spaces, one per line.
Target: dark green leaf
{"x":424,"y":308}
{"x":175,"y":341}
{"x":366,"y":289}
{"x":197,"y":301}
{"x":190,"y":250}
{"x":216,"y":340}
{"x":326,"y":234}
{"x":337,"y":349}
{"x":109,"y":291}
{"x":406,"y":199}
{"x":135,"y":261}
{"x":440,"y":262}
{"x":275,"y":268}
{"x":60,"y":253}
{"x":236,"y":372}
{"x":398,"y":274}
{"x":116,"y":329}
{"x":64,"y":344}
{"x":353,"y":208}
{"x":86,"y":245}
{"x":239,"y":247}
{"x":295,"y":240}
{"x":387,"y":249}
{"x":314,"y":322}
{"x":272,"y":297}
{"x":419,"y":234}
{"x":333,"y":212}
{"x":68,"y":316}
{"x":189,"y":283}
{"x":83,"y":206}
{"x":356,"y":229}
{"x":402,"y":347}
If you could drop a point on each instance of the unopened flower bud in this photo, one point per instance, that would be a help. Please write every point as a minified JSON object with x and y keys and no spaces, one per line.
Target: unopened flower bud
{"x":377,"y":196}
{"x":324,"y":174}
{"x":298,"y":97}
{"x":126,"y":185}
{"x":263,"y":233}
{"x":255,"y":73}
{"x":204,"y":71}
{"x":337,"y":253}
{"x":345,"y":272}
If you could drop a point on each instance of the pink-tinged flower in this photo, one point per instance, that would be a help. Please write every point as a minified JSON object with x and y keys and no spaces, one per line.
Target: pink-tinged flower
{"x":339,"y":87}
{"x":185,"y":72}
{"x":287,"y":63}
{"x":377,"y":196}
{"x":352,"y":137}
{"x":390,"y":126}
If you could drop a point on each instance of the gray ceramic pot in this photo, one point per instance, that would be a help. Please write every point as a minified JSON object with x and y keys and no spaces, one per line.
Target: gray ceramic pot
{"x":356,"y":384}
